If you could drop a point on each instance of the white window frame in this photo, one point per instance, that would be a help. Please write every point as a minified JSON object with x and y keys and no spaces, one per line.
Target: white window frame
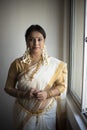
{"x":83,"y":104}
{"x":84,"y":94}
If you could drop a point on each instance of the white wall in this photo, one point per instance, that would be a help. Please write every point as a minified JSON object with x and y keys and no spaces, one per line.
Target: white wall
{"x":15,"y":17}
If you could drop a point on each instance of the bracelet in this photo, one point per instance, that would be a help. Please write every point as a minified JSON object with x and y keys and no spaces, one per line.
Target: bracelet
{"x":49,"y":94}
{"x":59,"y":93}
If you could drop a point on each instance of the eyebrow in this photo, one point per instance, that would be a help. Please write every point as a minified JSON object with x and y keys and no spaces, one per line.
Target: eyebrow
{"x":36,"y":37}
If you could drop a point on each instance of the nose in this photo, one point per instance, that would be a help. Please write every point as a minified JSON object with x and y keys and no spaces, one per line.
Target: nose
{"x":35,"y":42}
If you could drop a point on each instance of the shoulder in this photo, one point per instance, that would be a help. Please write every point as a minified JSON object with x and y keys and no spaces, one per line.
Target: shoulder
{"x":56,"y":61}
{"x":16,"y":61}
{"x":16,"y":64}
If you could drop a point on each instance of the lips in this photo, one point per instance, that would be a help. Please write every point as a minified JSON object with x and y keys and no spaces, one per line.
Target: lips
{"x":36,"y":47}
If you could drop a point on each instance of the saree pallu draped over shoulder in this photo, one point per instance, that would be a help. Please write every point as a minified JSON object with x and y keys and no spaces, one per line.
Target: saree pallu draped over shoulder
{"x":32,"y":114}
{"x":61,"y":116}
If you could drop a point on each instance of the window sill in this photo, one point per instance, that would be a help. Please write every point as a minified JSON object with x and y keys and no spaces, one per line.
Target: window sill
{"x":74,"y":116}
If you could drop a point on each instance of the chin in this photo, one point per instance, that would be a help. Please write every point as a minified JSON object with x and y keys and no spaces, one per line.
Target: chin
{"x":36,"y":50}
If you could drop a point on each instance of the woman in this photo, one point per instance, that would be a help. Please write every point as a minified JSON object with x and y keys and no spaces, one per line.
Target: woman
{"x":36,"y":80}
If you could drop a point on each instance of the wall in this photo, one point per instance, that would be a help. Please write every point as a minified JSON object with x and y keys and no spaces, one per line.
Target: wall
{"x":15,"y":17}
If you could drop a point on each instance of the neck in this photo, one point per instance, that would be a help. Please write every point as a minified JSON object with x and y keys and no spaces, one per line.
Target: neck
{"x":36,"y":56}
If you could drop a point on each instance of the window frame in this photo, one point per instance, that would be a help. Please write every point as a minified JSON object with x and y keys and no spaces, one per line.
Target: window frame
{"x":84,"y":107}
{"x":79,"y":104}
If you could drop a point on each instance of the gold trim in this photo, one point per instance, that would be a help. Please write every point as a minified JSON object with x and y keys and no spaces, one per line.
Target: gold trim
{"x":58,"y":70}
{"x":30,"y":113}
{"x":38,"y":111}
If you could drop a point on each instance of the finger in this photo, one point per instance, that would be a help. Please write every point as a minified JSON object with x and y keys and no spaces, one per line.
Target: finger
{"x":40,"y":95}
{"x":40,"y":98}
{"x":36,"y":91}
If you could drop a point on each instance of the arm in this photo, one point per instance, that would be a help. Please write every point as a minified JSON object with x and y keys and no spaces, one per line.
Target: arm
{"x":60,"y":85}
{"x":15,"y":92}
{"x":10,"y":86}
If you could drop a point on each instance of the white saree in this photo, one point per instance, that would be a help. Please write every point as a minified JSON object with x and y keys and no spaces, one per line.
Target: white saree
{"x":40,"y":115}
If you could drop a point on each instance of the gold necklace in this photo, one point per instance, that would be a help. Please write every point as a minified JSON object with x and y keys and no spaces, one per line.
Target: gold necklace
{"x":36,"y":69}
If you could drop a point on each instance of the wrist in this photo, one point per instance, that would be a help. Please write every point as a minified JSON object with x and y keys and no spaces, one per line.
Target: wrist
{"x":21,"y":94}
{"x":49,"y":94}
{"x":53,"y":93}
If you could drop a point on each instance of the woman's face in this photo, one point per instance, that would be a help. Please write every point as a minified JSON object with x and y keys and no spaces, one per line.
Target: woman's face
{"x":35,"y":42}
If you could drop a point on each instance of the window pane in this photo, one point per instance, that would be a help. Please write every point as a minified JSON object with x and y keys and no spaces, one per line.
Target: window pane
{"x":77,"y":48}
{"x":84,"y":99}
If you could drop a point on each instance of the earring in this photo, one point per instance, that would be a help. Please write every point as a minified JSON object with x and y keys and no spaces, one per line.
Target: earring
{"x":45,"y":55}
{"x":26,"y":56}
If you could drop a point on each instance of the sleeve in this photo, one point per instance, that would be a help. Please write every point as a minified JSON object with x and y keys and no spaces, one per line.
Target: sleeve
{"x":61,"y":81}
{"x":12,"y":75}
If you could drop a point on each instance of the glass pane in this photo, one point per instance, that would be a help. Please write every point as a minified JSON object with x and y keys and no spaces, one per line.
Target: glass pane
{"x":84,"y":100}
{"x":84,"y":96}
{"x":77,"y":48}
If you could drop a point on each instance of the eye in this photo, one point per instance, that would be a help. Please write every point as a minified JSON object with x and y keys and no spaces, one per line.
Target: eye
{"x":40,"y":39}
{"x":31,"y":39}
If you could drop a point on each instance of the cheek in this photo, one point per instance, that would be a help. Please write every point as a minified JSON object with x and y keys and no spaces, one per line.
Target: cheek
{"x":42,"y":45}
{"x":29,"y":45}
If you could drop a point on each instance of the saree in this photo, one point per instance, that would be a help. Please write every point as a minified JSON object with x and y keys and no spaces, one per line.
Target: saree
{"x":31,"y":114}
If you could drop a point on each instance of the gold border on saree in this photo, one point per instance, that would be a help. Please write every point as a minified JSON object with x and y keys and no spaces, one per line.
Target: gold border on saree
{"x":38,"y":112}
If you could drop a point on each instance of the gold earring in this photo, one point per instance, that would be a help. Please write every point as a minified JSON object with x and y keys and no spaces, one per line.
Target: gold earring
{"x":26,"y":56}
{"x":45,"y":55}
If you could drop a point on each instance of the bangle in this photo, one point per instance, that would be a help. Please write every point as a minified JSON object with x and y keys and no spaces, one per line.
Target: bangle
{"x":49,"y":94}
{"x":59,"y":93}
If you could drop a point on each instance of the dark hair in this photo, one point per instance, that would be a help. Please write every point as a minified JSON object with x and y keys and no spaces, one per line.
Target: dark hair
{"x":35,"y":28}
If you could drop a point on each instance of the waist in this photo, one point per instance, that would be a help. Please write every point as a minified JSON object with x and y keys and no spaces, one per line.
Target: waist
{"x":37,"y":111}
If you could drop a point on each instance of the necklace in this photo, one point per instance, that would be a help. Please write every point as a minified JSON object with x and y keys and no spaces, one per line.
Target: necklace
{"x":36,"y":69}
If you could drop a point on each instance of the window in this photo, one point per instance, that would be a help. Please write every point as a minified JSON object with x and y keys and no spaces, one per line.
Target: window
{"x":78,"y":53}
{"x":84,"y":96}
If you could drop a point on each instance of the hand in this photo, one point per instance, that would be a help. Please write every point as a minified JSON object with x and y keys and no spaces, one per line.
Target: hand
{"x":41,"y":95}
{"x":30,"y":93}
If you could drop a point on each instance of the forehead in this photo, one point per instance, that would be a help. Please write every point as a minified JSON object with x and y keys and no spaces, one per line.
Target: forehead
{"x":35,"y":34}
